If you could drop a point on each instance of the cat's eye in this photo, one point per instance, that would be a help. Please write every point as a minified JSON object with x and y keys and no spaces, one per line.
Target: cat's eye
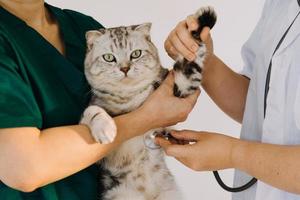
{"x":109,"y":57}
{"x":136,"y":54}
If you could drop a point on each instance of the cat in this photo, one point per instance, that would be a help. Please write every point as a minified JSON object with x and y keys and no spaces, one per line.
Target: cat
{"x":123,"y":68}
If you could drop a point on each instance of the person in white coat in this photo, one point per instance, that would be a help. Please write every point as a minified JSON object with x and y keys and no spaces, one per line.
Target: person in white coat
{"x":264,"y":97}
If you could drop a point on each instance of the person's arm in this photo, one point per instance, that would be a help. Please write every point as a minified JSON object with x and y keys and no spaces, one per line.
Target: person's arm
{"x":227,"y":88}
{"x":31,"y":158}
{"x":276,"y":165}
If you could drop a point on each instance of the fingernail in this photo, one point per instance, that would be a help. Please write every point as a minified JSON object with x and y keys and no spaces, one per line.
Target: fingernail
{"x":194,"y":25}
{"x":195,"y":47}
{"x":174,"y":133}
{"x":190,"y":57}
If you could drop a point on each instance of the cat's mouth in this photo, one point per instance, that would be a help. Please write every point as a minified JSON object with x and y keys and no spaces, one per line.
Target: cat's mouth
{"x":126,"y":80}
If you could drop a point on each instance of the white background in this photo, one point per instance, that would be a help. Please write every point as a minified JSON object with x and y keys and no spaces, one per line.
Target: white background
{"x":236,"y":20}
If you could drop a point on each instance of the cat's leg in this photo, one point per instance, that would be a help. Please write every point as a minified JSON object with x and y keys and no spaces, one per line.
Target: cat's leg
{"x":188,"y":73}
{"x":102,"y":126}
{"x":187,"y":77}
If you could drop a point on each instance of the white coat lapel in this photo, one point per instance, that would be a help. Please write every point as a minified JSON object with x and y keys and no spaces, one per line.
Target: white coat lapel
{"x":294,"y":31}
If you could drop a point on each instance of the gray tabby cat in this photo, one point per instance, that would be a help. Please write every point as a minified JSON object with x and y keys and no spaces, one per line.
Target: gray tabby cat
{"x":123,"y":68}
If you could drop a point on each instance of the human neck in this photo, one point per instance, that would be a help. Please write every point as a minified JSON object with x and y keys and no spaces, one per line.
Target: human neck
{"x":33,"y":12}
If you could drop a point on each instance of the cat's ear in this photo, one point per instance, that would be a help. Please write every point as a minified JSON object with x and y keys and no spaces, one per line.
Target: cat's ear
{"x":144,"y":28}
{"x":91,"y":36}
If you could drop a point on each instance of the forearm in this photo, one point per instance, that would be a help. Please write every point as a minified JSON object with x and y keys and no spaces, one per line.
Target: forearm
{"x":226,"y":88}
{"x":55,"y":153}
{"x":70,"y":149}
{"x":274,"y":164}
{"x":63,"y":151}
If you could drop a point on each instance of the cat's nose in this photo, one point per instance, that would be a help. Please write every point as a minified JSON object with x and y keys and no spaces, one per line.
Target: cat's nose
{"x":125,"y":69}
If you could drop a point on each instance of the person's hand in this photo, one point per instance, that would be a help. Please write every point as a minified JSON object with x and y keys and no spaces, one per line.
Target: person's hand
{"x":164,"y":109}
{"x":181,"y":42}
{"x":207,"y":152}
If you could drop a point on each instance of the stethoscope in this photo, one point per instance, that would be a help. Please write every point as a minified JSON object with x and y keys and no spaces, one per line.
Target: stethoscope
{"x":254,"y":180}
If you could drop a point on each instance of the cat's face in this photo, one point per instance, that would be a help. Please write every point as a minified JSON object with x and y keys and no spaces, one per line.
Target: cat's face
{"x":121,"y":57}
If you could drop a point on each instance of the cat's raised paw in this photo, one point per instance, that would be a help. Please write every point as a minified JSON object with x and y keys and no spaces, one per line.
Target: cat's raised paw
{"x":206,"y":17}
{"x":102,"y":126}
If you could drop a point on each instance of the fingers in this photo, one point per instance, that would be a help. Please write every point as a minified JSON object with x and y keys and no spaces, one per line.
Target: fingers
{"x":172,"y":52}
{"x":191,"y":23}
{"x":180,"y":47}
{"x":174,"y":150}
{"x":180,"y":42}
{"x":186,"y":135}
{"x":185,"y":37}
{"x":173,"y":140}
{"x":162,"y":142}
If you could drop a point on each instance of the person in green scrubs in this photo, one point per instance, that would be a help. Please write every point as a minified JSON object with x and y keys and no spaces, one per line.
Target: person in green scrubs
{"x":44,"y":153}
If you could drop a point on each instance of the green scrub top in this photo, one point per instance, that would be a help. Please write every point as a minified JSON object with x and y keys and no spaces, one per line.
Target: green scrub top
{"x":41,"y":88}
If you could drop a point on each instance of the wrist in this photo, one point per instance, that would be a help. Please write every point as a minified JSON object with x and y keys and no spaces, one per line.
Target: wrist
{"x":212,"y":71}
{"x":132,"y":124}
{"x":239,"y":154}
{"x":146,"y":118}
{"x":209,"y":60}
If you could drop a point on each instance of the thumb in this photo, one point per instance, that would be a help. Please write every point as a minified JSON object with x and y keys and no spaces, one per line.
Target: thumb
{"x":205,"y":34}
{"x":186,"y":135}
{"x":170,"y":149}
{"x":169,"y":82}
{"x":162,"y":142}
{"x":178,"y":151}
{"x":192,"y":99}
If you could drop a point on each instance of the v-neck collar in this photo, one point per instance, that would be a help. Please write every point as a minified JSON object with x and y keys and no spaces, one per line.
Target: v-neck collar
{"x":68,"y":68}
{"x":67,"y":34}
{"x":73,"y":43}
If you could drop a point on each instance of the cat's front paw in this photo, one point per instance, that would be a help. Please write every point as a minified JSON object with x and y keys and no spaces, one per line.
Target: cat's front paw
{"x":206,"y":17}
{"x":188,"y":73}
{"x":102,"y":126}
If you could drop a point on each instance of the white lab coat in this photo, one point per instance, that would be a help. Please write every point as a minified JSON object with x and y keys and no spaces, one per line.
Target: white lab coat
{"x":282,"y":122}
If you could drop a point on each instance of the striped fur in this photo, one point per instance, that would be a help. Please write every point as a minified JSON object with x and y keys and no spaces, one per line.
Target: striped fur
{"x":123,"y":68}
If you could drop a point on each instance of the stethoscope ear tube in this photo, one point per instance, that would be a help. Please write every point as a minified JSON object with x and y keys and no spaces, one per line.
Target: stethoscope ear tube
{"x":254,"y":180}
